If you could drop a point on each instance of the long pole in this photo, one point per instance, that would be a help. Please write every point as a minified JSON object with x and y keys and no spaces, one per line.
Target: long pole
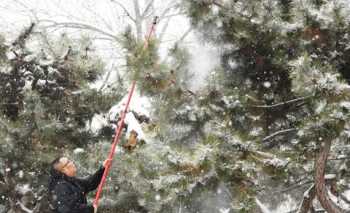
{"x":120,"y":126}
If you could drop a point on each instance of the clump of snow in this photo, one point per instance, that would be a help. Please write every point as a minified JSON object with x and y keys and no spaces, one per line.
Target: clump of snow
{"x":10,"y":55}
{"x":23,"y":189}
{"x":267,"y":84}
{"x":78,"y":151}
{"x":133,"y":125}
{"x":231,"y":102}
{"x":21,"y":174}
{"x":275,"y":162}
{"x":215,"y":9}
{"x":321,"y":106}
{"x":224,"y":210}
{"x":330,"y":176}
{"x":140,"y":105}
{"x":97,"y":122}
{"x":256,"y":131}
{"x":345,"y":104}
{"x":41,"y":82}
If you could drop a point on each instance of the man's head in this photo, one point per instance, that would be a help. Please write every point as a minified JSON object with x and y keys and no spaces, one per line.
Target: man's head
{"x":65,"y":166}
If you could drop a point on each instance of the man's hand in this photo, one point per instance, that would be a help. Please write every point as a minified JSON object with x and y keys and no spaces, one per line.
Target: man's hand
{"x":106,"y":162}
{"x":95,"y":209}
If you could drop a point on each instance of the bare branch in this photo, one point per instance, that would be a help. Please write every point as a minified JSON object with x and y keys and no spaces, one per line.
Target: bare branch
{"x":282,"y":103}
{"x":95,"y":14}
{"x":125,"y":10}
{"x":309,"y":196}
{"x":165,"y":27}
{"x":20,"y":41}
{"x":218,"y":3}
{"x":296,"y":185}
{"x":175,"y":14}
{"x":148,"y":7}
{"x":178,"y":41}
{"x":165,"y":12}
{"x":83,"y":26}
{"x":184,"y":35}
{"x":106,"y":79}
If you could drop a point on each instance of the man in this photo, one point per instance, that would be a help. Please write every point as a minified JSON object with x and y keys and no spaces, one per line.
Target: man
{"x":68,"y":193}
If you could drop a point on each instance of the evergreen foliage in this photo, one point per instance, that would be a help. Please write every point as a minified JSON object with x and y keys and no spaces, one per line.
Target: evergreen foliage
{"x":285,"y":61}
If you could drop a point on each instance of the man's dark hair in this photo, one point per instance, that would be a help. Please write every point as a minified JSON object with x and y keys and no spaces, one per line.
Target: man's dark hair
{"x":54,"y":174}
{"x":54,"y":162}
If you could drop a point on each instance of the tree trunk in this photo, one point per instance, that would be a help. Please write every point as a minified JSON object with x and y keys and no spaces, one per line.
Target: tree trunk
{"x":138,"y":20}
{"x":320,"y":183}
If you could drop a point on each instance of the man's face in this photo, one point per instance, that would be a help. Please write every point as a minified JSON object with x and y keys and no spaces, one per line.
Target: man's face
{"x":67,"y":167}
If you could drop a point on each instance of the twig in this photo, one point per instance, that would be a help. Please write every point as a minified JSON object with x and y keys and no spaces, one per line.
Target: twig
{"x":76,"y":25}
{"x":294,"y":186}
{"x":107,"y":77}
{"x":306,"y":204}
{"x":278,"y":133}
{"x":184,"y":35}
{"x":149,"y":5}
{"x":282,"y":103}
{"x":125,"y":10}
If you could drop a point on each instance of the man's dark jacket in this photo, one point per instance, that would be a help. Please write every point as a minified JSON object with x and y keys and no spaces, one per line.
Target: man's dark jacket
{"x":68,"y":194}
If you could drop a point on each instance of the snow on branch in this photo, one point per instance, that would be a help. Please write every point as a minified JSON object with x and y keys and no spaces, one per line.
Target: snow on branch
{"x":278,"y":133}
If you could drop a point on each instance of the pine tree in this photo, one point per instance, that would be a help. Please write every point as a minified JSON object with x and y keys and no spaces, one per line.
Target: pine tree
{"x":285,"y":62}
{"x":45,"y":107}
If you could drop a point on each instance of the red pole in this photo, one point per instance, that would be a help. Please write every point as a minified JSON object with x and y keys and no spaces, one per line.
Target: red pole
{"x":120,"y":127}
{"x":114,"y":145}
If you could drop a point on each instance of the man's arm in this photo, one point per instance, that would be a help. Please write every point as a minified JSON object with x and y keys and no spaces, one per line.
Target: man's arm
{"x":91,"y":183}
{"x":66,"y":202}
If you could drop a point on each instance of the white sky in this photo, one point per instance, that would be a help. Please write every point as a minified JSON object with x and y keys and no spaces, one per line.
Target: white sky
{"x":110,"y":17}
